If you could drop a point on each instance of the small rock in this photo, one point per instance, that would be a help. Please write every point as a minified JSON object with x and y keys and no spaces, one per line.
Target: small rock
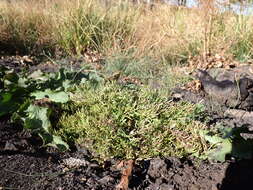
{"x":10,"y":146}
{"x":74,"y":162}
{"x":105,"y":180}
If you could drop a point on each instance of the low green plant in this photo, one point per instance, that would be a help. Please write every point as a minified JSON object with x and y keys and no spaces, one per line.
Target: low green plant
{"x":25,"y":98}
{"x":116,"y":121}
{"x":149,"y":71}
{"x":143,"y":68}
{"x":228,"y":142}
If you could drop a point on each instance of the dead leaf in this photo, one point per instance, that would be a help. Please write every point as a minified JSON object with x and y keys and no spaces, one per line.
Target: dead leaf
{"x":194,"y":86}
{"x":209,"y":61}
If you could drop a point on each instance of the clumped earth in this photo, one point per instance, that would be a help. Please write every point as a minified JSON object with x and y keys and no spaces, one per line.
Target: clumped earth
{"x":25,"y":165}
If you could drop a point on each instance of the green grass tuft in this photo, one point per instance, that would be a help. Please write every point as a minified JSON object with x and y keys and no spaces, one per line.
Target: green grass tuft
{"x":94,"y":29}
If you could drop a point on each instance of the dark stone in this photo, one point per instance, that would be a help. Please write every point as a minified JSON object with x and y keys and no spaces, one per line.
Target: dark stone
{"x":10,"y":146}
{"x":233,"y":94}
{"x":226,"y":94}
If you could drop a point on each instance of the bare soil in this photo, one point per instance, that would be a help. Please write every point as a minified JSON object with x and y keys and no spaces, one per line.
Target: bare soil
{"x":24,"y":165}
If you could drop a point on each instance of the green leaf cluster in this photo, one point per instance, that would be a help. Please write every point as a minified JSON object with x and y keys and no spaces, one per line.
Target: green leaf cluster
{"x":20,"y":91}
{"x":228,"y":142}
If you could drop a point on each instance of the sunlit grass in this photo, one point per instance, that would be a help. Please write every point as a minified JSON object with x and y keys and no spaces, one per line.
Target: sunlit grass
{"x":169,"y":33}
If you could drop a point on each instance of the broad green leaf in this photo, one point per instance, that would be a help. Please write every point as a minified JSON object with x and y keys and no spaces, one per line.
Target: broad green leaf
{"x":38,"y":121}
{"x":22,"y":82}
{"x":60,"y":97}
{"x":230,"y":144}
{"x":221,"y":151}
{"x":38,"y":75}
{"x":223,"y":146}
{"x":38,"y":118}
{"x":213,"y":139}
{"x":5,"y":97}
{"x":66,"y":84}
{"x":59,"y":143}
{"x":11,"y":77}
{"x":17,"y":89}
{"x":7,"y":104}
{"x":18,"y":116}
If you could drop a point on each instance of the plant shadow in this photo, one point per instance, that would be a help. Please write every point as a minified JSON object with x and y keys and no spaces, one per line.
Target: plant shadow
{"x":239,"y":173}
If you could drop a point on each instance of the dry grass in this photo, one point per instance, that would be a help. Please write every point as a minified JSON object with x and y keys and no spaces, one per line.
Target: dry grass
{"x":25,"y":26}
{"x":166,"y":32}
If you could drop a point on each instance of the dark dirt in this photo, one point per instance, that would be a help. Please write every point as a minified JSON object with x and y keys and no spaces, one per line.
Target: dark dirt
{"x":25,"y":165}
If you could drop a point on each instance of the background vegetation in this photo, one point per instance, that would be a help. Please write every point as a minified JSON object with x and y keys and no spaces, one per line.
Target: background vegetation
{"x":165,"y":32}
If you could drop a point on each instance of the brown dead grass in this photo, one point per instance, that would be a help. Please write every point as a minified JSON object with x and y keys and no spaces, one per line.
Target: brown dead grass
{"x":165,"y":32}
